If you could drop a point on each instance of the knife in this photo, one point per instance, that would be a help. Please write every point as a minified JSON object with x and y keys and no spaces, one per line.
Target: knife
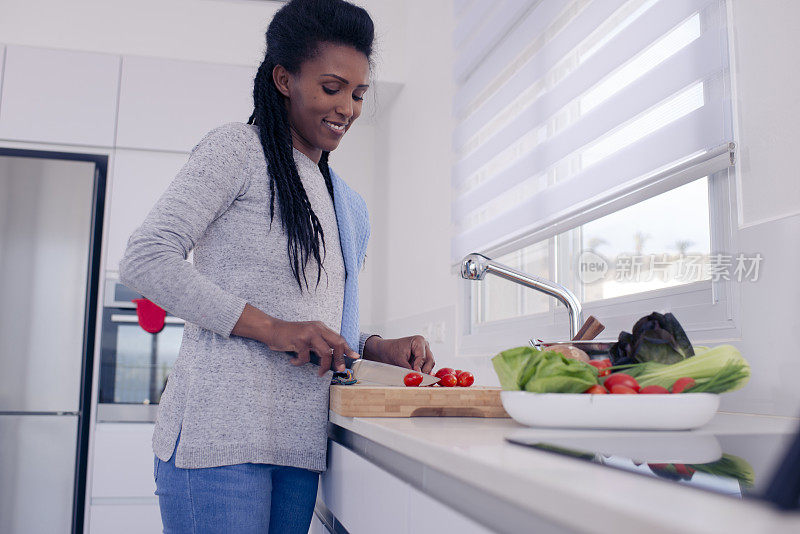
{"x":376,"y":373}
{"x":384,"y":374}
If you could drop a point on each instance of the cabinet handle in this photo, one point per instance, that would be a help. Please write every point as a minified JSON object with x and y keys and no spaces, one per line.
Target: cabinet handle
{"x":123,"y":318}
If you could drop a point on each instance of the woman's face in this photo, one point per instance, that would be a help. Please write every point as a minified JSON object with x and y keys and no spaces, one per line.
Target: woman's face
{"x":324,"y":98}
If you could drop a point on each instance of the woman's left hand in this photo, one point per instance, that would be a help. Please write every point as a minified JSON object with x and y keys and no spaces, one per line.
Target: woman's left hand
{"x":412,"y":352}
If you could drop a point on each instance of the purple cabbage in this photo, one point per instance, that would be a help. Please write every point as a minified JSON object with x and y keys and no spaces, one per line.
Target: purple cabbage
{"x":655,"y":338}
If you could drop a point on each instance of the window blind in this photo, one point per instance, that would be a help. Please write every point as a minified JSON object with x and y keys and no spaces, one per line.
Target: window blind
{"x":564,"y":107}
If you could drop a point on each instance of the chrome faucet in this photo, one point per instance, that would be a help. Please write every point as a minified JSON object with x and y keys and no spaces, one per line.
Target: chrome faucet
{"x":475,"y":266}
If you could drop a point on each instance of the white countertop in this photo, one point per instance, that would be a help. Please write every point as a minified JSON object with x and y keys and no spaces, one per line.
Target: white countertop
{"x":575,"y":494}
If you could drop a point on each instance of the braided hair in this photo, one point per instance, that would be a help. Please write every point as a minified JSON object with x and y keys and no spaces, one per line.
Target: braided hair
{"x":295,"y":35}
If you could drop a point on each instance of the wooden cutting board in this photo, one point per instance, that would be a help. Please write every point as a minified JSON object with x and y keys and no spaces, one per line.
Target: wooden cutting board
{"x":377,"y":401}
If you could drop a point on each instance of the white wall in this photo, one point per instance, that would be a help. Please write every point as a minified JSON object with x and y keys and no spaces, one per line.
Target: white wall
{"x":214,"y":31}
{"x":766,"y":89}
{"x":414,"y":288}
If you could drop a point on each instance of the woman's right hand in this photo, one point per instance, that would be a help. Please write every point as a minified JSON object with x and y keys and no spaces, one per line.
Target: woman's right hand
{"x":301,"y":337}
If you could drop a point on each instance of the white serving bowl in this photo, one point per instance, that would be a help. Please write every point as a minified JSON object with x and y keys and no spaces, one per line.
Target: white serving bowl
{"x":682,"y":411}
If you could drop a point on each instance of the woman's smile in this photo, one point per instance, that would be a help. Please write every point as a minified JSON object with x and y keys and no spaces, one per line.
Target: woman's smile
{"x":337,"y":128}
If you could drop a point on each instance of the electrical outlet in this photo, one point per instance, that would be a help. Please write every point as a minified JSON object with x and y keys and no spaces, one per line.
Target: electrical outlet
{"x":438,"y":332}
{"x":427,"y":331}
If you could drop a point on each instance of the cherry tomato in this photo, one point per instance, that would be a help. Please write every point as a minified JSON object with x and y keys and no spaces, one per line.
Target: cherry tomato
{"x":621,"y":379}
{"x":448,"y":381}
{"x":444,"y":371}
{"x":465,"y":379}
{"x":682,"y":384}
{"x":684,"y":470}
{"x":596,"y":389}
{"x":413,"y":379}
{"x":602,"y":366}
{"x":457,"y":372}
{"x":658,"y":390}
{"x":620,"y":389}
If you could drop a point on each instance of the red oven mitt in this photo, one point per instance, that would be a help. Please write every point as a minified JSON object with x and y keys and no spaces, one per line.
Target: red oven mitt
{"x":151,"y":317}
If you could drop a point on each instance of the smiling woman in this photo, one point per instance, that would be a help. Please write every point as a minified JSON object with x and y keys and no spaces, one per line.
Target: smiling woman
{"x":240,"y":436}
{"x":324,"y":104}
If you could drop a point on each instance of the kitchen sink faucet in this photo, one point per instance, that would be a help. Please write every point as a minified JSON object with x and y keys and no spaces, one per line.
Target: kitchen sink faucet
{"x":475,"y":266}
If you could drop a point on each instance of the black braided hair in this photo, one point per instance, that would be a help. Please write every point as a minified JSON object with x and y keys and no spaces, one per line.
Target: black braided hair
{"x":295,"y":34}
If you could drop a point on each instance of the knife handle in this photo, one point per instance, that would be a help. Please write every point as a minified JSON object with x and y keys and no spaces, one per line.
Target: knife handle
{"x":315,"y":359}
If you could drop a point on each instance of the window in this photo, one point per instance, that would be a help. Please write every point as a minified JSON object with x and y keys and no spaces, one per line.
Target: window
{"x":593,"y":135}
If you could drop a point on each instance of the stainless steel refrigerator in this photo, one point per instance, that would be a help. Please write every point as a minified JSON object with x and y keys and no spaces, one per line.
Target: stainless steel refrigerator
{"x":51,"y":207}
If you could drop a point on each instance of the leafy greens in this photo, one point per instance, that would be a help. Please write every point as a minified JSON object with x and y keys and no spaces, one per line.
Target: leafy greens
{"x":536,"y":371}
{"x":654,"y":338}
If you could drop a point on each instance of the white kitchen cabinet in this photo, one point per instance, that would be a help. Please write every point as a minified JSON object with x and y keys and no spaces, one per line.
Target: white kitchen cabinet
{"x":122,"y":465}
{"x":138,"y":179}
{"x":365,"y":498}
{"x":59,"y":96}
{"x":429,"y":515}
{"x":125,"y":519}
{"x":122,"y":491}
{"x":167,"y":104}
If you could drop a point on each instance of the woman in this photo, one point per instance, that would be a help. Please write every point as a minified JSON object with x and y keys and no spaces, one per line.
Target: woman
{"x":278,"y":242}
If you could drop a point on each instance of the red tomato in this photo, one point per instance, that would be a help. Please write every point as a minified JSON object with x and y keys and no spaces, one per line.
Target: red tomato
{"x":619,"y":389}
{"x":448,"y":381}
{"x":413,"y":379}
{"x":682,"y":384}
{"x":621,"y":379}
{"x":457,"y":372}
{"x":444,"y":371}
{"x":602,"y":366}
{"x":597,"y":389}
{"x":684,"y":470}
{"x":658,"y":390}
{"x":465,"y":379}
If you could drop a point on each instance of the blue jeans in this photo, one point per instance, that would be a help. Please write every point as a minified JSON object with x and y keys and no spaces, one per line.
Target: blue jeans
{"x":242,"y":498}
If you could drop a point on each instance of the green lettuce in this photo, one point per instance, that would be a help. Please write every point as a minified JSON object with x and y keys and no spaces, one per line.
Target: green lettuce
{"x":529,"y":369}
{"x":509,"y":364}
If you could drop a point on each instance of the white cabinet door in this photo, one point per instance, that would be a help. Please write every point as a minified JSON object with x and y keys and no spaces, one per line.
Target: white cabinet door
{"x":167,"y":104}
{"x":59,"y":96}
{"x":123,"y":461}
{"x":363,"y":497}
{"x":426,"y":514}
{"x":125,"y":519}
{"x":138,"y":180}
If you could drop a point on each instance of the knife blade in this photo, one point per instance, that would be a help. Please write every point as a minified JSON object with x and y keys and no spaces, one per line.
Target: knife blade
{"x":378,"y":373}
{"x":385,"y":374}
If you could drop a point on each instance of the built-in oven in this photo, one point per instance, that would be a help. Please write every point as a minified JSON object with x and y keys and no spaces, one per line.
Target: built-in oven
{"x":134,"y":363}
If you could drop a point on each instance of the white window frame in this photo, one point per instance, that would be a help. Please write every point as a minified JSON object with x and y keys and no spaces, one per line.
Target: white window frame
{"x":708,"y":310}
